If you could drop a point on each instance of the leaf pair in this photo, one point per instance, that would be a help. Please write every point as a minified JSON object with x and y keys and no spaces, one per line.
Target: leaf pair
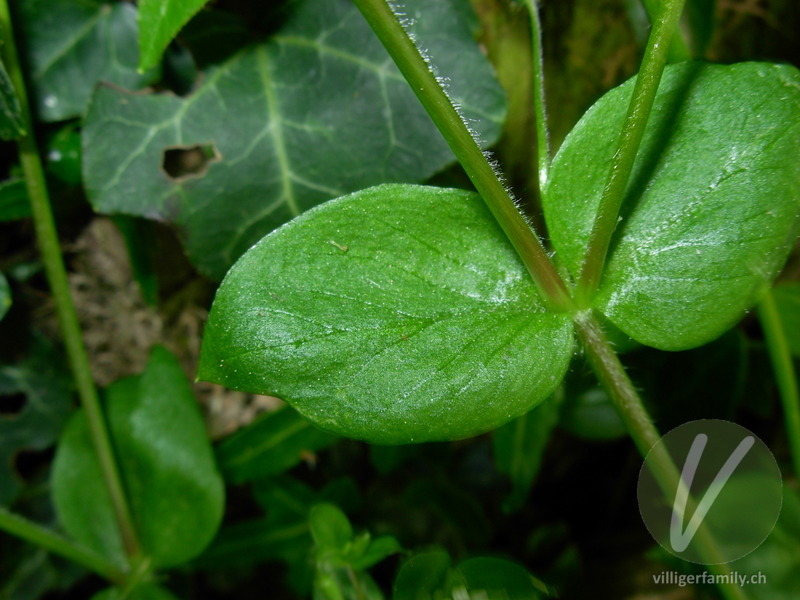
{"x":402,"y":314}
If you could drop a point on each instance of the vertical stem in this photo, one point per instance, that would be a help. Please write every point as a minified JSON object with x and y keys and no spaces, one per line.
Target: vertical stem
{"x":539,"y":101}
{"x":644,"y":92}
{"x":785,"y":375}
{"x":612,"y":375}
{"x":412,"y":65}
{"x":52,"y":542}
{"x":47,"y":239}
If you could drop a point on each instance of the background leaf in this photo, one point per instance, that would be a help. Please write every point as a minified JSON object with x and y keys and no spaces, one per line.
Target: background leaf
{"x":316,"y":111}
{"x":70,"y":46}
{"x":167,"y":467}
{"x":519,"y":447}
{"x":787,"y":300}
{"x":424,"y":575}
{"x":712,"y":208}
{"x":159,"y":22}
{"x":36,"y":396}
{"x":5,"y":296}
{"x":14,"y":203}
{"x":397,"y":314}
{"x":11,"y":123}
{"x":498,"y":579}
{"x":270,"y":445}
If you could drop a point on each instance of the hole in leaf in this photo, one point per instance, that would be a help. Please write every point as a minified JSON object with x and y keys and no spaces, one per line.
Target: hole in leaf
{"x":184,"y":162}
{"x":12,"y":404}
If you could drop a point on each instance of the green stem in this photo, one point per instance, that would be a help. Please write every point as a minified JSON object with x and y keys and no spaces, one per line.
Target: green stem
{"x":644,"y":93}
{"x":783,"y":366}
{"x":51,"y":541}
{"x":632,"y":411}
{"x":539,"y":100}
{"x":679,"y":48}
{"x":47,"y":239}
{"x":412,"y":64}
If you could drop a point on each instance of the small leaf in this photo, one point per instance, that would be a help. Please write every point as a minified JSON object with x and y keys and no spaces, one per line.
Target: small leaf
{"x":270,"y":445}
{"x":14,"y":203}
{"x":175,"y":492}
{"x":71,"y":46}
{"x":498,"y":579}
{"x":12,"y":125}
{"x":424,"y":576}
{"x":330,"y":528}
{"x":519,"y":447}
{"x":397,"y":314}
{"x":787,"y":300}
{"x":316,"y":111}
{"x":712,"y":209}
{"x":377,"y":550}
{"x":5,"y":296}
{"x":159,"y":22}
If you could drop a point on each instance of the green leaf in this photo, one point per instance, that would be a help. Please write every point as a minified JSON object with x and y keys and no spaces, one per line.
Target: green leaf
{"x":73,"y":45}
{"x":498,"y":579}
{"x":787,"y":299}
{"x":712,"y":208}
{"x":270,"y":445}
{"x":519,"y":447}
{"x":14,"y":203}
{"x":377,"y":550}
{"x":159,"y":22}
{"x":424,"y":576}
{"x":12,"y":125}
{"x":146,"y":591}
{"x":5,"y":296}
{"x":397,"y":314}
{"x":175,"y":492}
{"x":64,"y":154}
{"x":317,"y":111}
{"x":42,"y":385}
{"x":330,"y":528}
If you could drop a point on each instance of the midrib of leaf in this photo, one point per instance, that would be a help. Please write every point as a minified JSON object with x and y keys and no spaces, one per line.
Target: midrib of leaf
{"x":276,"y":128}
{"x":73,"y":41}
{"x":268,"y":443}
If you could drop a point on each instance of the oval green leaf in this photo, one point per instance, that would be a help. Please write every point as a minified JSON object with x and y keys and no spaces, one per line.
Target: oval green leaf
{"x":175,"y":493}
{"x":712,"y":207}
{"x":398,"y":314}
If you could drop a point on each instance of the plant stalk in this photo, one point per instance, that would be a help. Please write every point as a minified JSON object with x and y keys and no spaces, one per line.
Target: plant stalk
{"x":644,"y":93}
{"x":623,"y":394}
{"x":782,"y":364}
{"x":415,"y":69}
{"x":52,"y":542}
{"x":47,"y":239}
{"x":539,"y":100}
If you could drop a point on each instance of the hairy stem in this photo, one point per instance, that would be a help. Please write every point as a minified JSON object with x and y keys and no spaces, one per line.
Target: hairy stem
{"x":539,"y":101}
{"x":623,"y":394}
{"x":47,"y":239}
{"x":52,"y":542}
{"x":783,"y":366}
{"x":644,"y":93}
{"x":415,"y":69}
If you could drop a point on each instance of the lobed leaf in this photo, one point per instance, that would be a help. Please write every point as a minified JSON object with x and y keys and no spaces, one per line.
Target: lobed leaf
{"x":316,"y":111}
{"x":175,"y":492}
{"x":712,"y":208}
{"x":70,"y":46}
{"x":398,"y":314}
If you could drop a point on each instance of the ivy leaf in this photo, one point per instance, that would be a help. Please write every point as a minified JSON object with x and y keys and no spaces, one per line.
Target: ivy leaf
{"x":159,"y":22}
{"x":41,"y":386}
{"x":398,"y":314}
{"x":175,"y":492}
{"x":317,"y":111}
{"x":712,"y":209}
{"x":73,"y":45}
{"x":11,"y":123}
